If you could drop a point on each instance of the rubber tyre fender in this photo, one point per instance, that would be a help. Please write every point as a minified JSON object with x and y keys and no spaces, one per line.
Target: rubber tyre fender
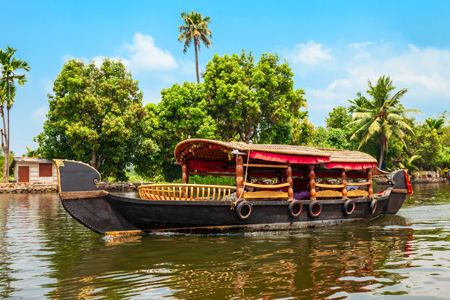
{"x":244,"y":210}
{"x":295,"y":208}
{"x":312,"y":206}
{"x":349,"y":204}
{"x":373,"y":206}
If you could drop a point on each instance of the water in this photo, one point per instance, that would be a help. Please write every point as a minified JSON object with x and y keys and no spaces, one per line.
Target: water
{"x":44,"y":253}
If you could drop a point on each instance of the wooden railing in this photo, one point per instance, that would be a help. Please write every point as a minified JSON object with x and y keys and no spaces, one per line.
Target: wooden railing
{"x":267,"y":186}
{"x":335,"y":190}
{"x":357,"y":183}
{"x":187,"y":192}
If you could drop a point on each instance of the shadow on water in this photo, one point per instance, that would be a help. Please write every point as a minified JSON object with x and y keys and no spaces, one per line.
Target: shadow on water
{"x":387,"y":256}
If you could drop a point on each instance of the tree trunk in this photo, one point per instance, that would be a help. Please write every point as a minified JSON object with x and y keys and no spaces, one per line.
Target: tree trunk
{"x":380,"y":162}
{"x":196,"y":61}
{"x":93,"y":158}
{"x":4,"y":146}
{"x":248,"y":134}
{"x":5,"y":169}
{"x":7,"y":147}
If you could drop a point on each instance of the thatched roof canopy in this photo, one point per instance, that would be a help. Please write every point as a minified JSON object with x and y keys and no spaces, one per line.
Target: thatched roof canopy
{"x":217,"y":151}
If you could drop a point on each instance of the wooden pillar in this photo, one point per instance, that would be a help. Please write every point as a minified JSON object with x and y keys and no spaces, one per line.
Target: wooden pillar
{"x":290,"y":181}
{"x":344,"y":182}
{"x":185,"y":173}
{"x":239,"y":177}
{"x":185,"y":179}
{"x":369,"y":180}
{"x":312,"y":183}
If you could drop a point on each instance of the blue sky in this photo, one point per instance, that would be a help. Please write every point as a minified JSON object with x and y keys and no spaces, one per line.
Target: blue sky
{"x":333,"y":47}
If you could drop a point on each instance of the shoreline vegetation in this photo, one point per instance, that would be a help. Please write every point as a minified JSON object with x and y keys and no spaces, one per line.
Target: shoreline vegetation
{"x":97,"y":115}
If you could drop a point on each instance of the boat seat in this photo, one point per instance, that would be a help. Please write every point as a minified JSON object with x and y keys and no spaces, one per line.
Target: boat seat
{"x":357,"y":193}
{"x":328,"y":194}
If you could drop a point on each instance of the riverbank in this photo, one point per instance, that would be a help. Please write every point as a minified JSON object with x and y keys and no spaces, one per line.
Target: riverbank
{"x":381,"y":180}
{"x":46,"y":187}
{"x":28,"y":188}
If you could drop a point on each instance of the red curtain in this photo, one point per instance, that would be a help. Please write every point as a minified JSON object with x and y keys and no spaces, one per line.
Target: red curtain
{"x":208,"y":166}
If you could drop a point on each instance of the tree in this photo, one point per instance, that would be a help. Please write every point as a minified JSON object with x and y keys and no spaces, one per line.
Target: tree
{"x":384,"y":115}
{"x":96,"y":116}
{"x":30,"y":152}
{"x":181,"y":114}
{"x":10,"y":66}
{"x":436,"y":124}
{"x":247,"y":101}
{"x":147,"y":153}
{"x":339,"y":117}
{"x":428,"y":145}
{"x":302,"y":131}
{"x":195,"y":29}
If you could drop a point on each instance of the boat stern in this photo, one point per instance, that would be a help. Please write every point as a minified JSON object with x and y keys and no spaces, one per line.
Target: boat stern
{"x":398,"y":192}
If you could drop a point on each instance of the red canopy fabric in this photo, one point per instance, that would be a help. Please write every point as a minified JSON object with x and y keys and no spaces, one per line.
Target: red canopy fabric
{"x":208,"y":166}
{"x":351,"y":166}
{"x":290,"y":158}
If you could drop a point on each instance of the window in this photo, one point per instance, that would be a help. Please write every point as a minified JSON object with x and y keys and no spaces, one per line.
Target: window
{"x":45,"y":170}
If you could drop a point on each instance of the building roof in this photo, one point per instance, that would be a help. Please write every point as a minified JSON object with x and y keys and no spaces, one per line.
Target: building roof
{"x":31,"y":159}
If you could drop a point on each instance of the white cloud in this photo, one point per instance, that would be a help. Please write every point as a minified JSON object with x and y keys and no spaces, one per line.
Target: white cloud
{"x":141,"y":55}
{"x":40,"y":112}
{"x":310,"y":53}
{"x":424,"y":71}
{"x":146,"y":56}
{"x":47,"y":84}
{"x":361,"y":45}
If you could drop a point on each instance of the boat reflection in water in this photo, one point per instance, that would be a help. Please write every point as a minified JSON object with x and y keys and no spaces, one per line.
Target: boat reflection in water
{"x":313,"y":264}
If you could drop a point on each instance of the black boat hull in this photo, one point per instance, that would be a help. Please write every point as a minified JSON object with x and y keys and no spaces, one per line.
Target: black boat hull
{"x":117,"y":215}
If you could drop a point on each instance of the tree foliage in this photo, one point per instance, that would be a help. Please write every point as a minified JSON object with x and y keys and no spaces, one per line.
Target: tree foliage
{"x":181,"y":114}
{"x":95,"y":115}
{"x":251,"y":102}
{"x":339,"y":117}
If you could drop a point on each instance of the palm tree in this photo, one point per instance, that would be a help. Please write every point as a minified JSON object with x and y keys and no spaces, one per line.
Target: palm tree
{"x":9,"y":66}
{"x":383,"y":115}
{"x":195,"y":29}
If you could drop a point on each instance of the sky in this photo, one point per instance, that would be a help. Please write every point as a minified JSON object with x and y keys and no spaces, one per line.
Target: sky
{"x":333,"y":47}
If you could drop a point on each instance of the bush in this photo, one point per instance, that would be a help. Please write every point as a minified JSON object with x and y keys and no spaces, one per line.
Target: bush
{"x":210,"y":180}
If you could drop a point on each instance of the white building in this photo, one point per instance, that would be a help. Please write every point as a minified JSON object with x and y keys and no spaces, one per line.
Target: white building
{"x":34,"y":169}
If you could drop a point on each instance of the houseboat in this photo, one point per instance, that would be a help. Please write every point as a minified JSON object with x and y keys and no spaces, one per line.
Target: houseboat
{"x":277,"y":187}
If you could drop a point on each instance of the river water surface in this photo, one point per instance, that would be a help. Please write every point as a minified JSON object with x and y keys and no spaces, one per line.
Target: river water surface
{"x":44,"y":253}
